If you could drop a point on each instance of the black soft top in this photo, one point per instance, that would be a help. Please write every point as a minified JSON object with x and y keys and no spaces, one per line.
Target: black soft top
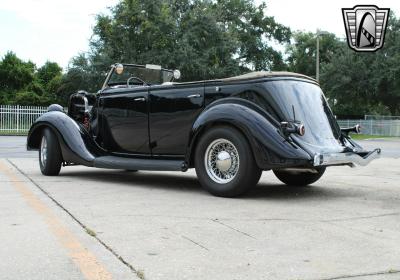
{"x":265,"y":74}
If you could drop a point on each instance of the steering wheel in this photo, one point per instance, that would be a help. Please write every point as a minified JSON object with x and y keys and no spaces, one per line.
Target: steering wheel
{"x":137,"y":79}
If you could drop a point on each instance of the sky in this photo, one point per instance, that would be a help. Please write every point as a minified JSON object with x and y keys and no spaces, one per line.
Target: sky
{"x":57,"y":30}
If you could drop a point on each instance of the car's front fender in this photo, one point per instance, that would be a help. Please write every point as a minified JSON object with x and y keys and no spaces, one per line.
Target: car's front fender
{"x":76,"y":144}
{"x":269,"y":147}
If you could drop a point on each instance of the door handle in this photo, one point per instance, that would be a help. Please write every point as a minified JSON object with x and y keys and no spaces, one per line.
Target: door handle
{"x":139,"y":99}
{"x":194,"y":96}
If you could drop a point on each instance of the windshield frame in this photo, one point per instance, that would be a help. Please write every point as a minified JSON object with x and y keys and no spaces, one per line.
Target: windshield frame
{"x":113,"y":67}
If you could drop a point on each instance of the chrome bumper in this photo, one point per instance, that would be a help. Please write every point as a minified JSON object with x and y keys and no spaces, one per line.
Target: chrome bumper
{"x":351,"y":159}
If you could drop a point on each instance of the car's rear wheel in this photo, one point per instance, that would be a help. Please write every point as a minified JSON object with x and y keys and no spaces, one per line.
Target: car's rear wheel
{"x":299,"y":178}
{"x":50,"y":158}
{"x":224,"y":162}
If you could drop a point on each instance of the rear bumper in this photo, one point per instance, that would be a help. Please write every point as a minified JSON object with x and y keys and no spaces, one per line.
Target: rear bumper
{"x":348,"y":158}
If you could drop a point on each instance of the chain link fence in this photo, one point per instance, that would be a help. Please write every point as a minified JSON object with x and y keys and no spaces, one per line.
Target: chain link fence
{"x":381,"y":127}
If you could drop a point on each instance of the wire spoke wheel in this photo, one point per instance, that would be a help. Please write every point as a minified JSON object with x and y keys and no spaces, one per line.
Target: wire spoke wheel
{"x":224,"y":162}
{"x":221,"y":161}
{"x":43,"y":151}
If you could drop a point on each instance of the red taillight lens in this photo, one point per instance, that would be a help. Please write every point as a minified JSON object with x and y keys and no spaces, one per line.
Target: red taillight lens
{"x":86,"y":122}
{"x":301,"y":130}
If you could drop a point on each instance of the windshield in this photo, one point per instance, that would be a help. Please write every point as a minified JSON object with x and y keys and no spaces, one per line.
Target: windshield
{"x":148,"y":75}
{"x":310,"y":108}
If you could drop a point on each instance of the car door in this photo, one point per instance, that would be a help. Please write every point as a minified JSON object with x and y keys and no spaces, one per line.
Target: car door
{"x":125,"y":120}
{"x":173,"y":109}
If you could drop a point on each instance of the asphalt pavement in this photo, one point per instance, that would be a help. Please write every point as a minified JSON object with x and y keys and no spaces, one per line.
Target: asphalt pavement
{"x":108,"y":224}
{"x":15,"y":147}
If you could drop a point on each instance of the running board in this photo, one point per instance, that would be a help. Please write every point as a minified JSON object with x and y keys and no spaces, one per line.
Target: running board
{"x":113,"y":162}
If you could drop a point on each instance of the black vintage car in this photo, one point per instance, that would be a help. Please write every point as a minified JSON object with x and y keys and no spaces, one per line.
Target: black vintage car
{"x":229,"y":130}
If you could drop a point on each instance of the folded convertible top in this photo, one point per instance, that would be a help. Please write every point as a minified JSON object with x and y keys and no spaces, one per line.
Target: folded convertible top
{"x":262,"y":74}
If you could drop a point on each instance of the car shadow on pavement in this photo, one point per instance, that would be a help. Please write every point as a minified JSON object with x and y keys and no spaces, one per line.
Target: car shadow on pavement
{"x":189,"y":183}
{"x":141,"y":179}
{"x":281,"y":191}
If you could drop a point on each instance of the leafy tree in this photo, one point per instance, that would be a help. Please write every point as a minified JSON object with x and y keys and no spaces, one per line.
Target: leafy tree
{"x":28,"y":98}
{"x":50,"y":76}
{"x":14,"y":75}
{"x":21,"y":83}
{"x":205,"y":39}
{"x":365,"y":83}
{"x":48,"y":71}
{"x":302,"y":51}
{"x":386,"y":68}
{"x":81,"y":75}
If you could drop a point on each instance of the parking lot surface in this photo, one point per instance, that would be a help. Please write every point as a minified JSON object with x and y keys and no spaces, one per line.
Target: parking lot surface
{"x":110,"y":224}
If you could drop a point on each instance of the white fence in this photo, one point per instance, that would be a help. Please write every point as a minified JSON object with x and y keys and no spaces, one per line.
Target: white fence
{"x":381,"y":127}
{"x":15,"y":120}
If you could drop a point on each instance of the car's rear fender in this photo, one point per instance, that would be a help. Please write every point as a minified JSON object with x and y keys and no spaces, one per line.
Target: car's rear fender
{"x":269,"y":147}
{"x":76,"y":144}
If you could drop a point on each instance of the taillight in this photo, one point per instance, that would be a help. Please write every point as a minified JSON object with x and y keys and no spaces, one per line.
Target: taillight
{"x":301,"y":129}
{"x":86,"y":122}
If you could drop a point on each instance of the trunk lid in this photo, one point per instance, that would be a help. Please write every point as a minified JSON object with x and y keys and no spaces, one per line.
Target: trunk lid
{"x":304,"y":101}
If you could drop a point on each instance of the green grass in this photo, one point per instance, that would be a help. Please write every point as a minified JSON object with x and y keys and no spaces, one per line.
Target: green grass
{"x":366,"y":136}
{"x":13,"y":133}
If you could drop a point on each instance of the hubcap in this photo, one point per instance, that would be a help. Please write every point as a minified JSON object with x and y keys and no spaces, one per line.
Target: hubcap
{"x":224,"y":161}
{"x":221,"y":161}
{"x":43,"y":151}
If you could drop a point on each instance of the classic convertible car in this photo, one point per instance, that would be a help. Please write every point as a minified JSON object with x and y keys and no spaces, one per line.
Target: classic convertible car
{"x":229,"y":130}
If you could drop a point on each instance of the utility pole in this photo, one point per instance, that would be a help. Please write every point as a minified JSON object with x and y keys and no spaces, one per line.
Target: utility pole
{"x":319,"y":33}
{"x":317,"y":59}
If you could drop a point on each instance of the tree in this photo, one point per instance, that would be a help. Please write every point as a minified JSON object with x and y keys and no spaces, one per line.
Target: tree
{"x":386,"y":80}
{"x":205,"y":39}
{"x":14,"y":75}
{"x":21,"y":83}
{"x":48,"y":72}
{"x":302,"y":51}
{"x":49,"y":76}
{"x":80,"y":75}
{"x":365,"y":83}
{"x":347,"y":81}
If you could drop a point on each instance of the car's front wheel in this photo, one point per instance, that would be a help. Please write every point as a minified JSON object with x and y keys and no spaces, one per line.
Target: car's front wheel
{"x":50,"y":158}
{"x":224,"y":162}
{"x":299,"y":178}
